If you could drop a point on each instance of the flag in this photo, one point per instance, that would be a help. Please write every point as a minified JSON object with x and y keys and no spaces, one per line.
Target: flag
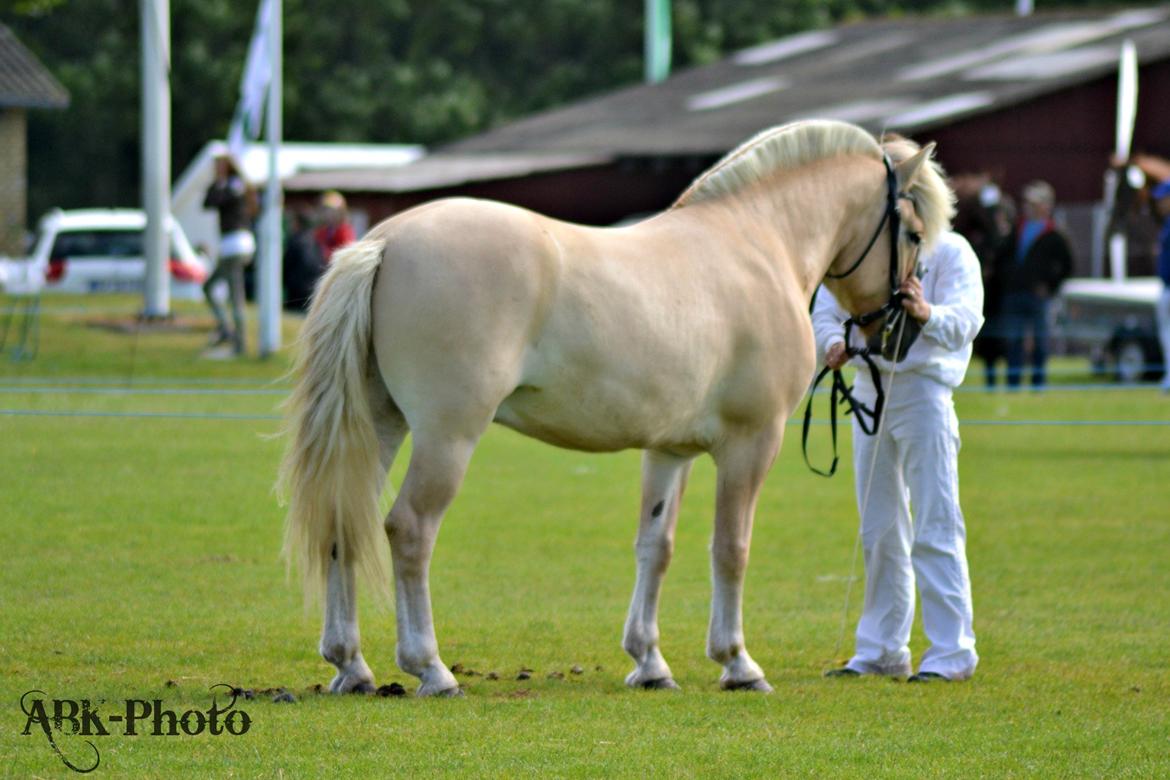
{"x":249,"y":115}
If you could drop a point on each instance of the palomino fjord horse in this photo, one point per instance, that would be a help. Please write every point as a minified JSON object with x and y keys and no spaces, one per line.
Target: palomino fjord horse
{"x":683,"y":334}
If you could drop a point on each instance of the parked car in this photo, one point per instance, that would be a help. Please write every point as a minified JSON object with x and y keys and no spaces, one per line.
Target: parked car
{"x":100,"y":250}
{"x":1113,"y":324}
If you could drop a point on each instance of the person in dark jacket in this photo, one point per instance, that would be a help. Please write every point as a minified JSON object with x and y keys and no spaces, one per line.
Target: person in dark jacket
{"x":303,"y":264}
{"x":1033,"y":262}
{"x":983,"y":218}
{"x":235,"y":201}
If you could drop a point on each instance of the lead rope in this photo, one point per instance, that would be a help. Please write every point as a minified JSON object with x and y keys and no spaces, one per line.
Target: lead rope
{"x":879,"y":426}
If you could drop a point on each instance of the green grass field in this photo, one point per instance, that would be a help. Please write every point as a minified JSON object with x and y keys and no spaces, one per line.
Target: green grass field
{"x":141,"y":537}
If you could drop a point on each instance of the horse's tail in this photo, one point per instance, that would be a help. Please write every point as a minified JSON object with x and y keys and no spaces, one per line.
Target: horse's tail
{"x":331,"y":476}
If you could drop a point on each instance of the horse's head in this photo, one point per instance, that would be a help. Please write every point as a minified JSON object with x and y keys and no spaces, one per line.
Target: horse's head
{"x":908,"y":206}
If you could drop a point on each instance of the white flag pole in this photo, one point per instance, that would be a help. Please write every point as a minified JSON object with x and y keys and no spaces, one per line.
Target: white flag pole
{"x":269,"y":270}
{"x":156,"y":154}
{"x":1127,"y":88}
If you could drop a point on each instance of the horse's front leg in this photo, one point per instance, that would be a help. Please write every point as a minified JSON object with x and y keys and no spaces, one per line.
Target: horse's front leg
{"x":742,"y":463}
{"x":663,"y":481}
{"x":340,"y":640}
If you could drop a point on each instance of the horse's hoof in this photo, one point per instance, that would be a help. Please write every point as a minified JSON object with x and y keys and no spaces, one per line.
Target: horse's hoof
{"x":344,"y":683}
{"x":760,"y":686}
{"x":446,"y":693}
{"x":664,"y":684}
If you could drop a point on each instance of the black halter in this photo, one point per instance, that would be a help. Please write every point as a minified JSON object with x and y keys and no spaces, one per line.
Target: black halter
{"x":892,"y":216}
{"x":867,"y":418}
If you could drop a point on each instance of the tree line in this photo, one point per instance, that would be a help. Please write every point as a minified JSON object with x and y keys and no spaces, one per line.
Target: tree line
{"x":370,"y":71}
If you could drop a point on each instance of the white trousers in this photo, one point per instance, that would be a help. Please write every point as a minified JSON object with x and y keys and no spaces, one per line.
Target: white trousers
{"x":1163,"y":313}
{"x":913,"y":533}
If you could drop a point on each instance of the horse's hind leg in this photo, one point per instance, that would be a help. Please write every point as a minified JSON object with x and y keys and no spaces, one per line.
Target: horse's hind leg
{"x":663,"y":481}
{"x":742,"y":464}
{"x":340,"y":638}
{"x":437,"y":465}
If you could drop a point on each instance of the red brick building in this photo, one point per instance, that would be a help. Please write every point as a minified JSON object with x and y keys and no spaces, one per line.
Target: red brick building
{"x":24,"y":85}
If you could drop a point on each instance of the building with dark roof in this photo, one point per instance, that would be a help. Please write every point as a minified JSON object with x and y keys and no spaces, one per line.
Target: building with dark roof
{"x":1017,"y":97}
{"x":24,"y":85}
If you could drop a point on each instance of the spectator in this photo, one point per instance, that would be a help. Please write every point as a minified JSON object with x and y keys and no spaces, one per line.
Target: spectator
{"x":1158,"y":170}
{"x":335,"y":231}
{"x":302,"y":263}
{"x":1031,"y":265}
{"x":235,"y":200}
{"x":980,"y":218}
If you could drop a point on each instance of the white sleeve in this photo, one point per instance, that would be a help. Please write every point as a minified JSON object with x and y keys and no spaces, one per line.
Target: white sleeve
{"x":828,"y":321}
{"x":956,"y":300}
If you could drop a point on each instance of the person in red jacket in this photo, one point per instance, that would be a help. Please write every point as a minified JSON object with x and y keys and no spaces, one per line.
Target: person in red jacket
{"x":335,"y":231}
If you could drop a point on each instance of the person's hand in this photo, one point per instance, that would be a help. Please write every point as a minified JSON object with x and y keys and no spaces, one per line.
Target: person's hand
{"x":915,"y":302}
{"x":836,"y":356}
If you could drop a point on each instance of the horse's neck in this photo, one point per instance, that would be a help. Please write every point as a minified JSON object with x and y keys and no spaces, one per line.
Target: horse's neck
{"x":802,"y":219}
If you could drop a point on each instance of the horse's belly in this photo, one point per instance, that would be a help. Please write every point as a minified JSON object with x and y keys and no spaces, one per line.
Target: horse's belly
{"x":594,"y":418}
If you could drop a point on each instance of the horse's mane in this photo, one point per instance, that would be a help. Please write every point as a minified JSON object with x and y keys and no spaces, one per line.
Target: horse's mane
{"x":780,"y":148}
{"x":790,"y":146}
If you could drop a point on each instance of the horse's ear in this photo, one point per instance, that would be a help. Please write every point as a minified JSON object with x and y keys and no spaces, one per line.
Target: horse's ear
{"x":907,"y":170}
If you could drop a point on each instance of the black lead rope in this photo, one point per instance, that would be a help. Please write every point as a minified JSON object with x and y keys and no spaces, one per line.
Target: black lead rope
{"x":867,"y":417}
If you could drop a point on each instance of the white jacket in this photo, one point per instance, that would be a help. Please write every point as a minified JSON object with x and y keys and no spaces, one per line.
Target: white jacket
{"x":953,"y":286}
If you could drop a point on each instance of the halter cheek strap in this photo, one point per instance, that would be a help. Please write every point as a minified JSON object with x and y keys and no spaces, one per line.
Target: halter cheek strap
{"x":867,"y":417}
{"x":890,"y":215}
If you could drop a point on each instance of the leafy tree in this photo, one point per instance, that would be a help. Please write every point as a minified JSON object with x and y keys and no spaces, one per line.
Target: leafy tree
{"x":409,"y":71}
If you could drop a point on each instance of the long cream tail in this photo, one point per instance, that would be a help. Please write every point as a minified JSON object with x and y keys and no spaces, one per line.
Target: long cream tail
{"x":331,"y":475}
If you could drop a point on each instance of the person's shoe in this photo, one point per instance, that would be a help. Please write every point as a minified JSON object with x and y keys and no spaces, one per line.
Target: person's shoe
{"x":843,"y":672}
{"x":218,"y":338}
{"x":926,"y":677}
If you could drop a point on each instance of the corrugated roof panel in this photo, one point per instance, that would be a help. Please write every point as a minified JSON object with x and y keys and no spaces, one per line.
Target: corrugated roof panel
{"x":944,"y":108}
{"x":735,"y":93}
{"x":862,"y":111}
{"x":1050,"y":38}
{"x":1044,"y":66}
{"x":774,"y":51}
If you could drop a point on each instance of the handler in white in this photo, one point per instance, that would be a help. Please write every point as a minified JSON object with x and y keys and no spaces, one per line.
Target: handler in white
{"x":916,"y":466}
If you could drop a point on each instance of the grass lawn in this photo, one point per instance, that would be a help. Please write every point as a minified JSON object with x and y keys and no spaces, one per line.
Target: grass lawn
{"x":141,"y":537}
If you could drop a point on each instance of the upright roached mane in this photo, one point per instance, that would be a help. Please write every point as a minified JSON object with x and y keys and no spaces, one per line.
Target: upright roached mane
{"x":779,"y":148}
{"x":683,"y":334}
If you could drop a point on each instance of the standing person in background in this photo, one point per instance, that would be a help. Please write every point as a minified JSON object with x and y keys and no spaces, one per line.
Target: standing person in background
{"x":980,"y":218}
{"x":1031,"y":265}
{"x":1158,"y":171}
{"x":335,"y":231}
{"x":302,"y":263}
{"x":235,"y":200}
